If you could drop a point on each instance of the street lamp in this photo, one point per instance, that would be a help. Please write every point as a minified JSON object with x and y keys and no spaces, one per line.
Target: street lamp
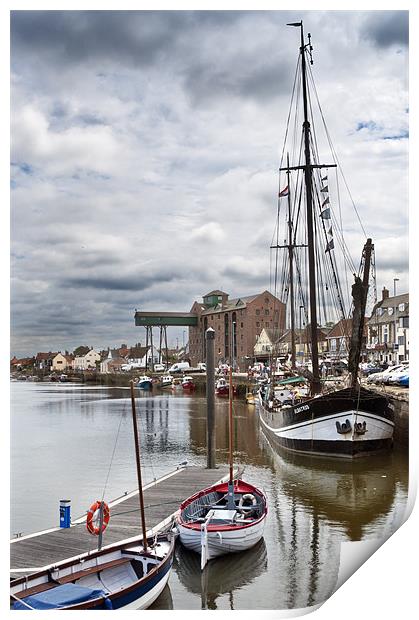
{"x":183,"y":339}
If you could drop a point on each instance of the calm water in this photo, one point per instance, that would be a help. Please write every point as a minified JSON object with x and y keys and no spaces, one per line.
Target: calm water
{"x":72,"y":441}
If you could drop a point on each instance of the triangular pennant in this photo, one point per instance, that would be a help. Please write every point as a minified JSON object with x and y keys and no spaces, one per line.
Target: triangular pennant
{"x":330,"y":232}
{"x":325,"y":215}
{"x":325,"y":188}
{"x":284,"y":192}
{"x":330,"y":246}
{"x":324,"y":178}
{"x":325,"y":202}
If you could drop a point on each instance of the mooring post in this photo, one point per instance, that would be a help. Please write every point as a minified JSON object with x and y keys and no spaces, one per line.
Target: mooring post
{"x":210,"y":337}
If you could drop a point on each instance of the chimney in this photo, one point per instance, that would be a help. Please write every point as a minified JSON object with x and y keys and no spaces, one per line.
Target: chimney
{"x":385,"y":293}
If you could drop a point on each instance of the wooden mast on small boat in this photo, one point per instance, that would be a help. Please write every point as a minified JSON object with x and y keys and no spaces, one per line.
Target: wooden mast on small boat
{"x":137,"y":457}
{"x":230,"y":499}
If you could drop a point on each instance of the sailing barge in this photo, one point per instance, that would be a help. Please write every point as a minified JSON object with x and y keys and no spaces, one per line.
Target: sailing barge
{"x":347,"y":422}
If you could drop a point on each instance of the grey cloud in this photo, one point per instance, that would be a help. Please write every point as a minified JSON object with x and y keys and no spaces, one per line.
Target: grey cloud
{"x":386,"y":28}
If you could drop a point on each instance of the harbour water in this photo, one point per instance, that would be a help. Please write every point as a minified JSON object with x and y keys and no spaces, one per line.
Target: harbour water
{"x":73,"y":441}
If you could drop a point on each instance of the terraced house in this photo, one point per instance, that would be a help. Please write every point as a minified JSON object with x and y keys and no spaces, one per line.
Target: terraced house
{"x":388,"y":329}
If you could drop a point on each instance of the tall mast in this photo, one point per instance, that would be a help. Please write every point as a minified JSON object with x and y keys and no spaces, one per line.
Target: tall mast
{"x":137,"y":457}
{"x":291,"y":259}
{"x":308,"y":173}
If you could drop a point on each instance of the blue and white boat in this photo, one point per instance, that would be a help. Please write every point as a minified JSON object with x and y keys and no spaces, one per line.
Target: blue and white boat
{"x":120,"y":576}
{"x":127,"y":575}
{"x":144,"y":383}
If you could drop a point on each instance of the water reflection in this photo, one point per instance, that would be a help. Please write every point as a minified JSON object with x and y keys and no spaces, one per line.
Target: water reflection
{"x":62,"y":440}
{"x":165,"y":600}
{"x":354,"y":495}
{"x":221,"y":576}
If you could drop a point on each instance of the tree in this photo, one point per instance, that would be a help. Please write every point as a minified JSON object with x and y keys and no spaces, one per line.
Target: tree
{"x":81,"y":350}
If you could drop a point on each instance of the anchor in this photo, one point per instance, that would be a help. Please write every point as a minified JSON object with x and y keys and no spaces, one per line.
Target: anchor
{"x":343,"y":428}
{"x":360,"y":428}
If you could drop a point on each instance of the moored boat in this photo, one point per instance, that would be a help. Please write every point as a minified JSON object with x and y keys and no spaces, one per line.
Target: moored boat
{"x":188,"y":383}
{"x":222,"y":387}
{"x":166,"y":381}
{"x":339,"y":421}
{"x":144,"y":383}
{"x":225,"y":518}
{"x":121,"y":576}
{"x":128,"y":575}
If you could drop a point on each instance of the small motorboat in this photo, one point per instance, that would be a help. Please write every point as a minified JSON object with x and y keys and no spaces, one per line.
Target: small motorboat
{"x":166,"y":381}
{"x":225,"y":518}
{"x":188,"y":383}
{"x":176,"y":383}
{"x":144,"y":383}
{"x":251,"y":396}
{"x":222,"y":387}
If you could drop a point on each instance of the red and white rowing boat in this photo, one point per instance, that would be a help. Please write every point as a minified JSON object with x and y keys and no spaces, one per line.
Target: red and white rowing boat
{"x":225,"y":518}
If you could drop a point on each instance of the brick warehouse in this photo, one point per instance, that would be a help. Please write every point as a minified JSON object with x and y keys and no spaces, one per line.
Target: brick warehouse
{"x":236,"y":322}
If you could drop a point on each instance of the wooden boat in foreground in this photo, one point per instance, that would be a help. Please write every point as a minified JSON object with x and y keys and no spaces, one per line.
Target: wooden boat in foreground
{"x":127,"y":575}
{"x":225,"y":518}
{"x":122,"y":576}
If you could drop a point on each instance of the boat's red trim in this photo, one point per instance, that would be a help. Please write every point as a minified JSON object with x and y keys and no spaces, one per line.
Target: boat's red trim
{"x":240,"y":487}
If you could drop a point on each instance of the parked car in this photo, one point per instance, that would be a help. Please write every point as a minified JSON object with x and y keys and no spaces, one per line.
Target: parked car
{"x":131,"y":366}
{"x":394,"y":377}
{"x":381,"y":377}
{"x":404,"y":380}
{"x":159,"y":367}
{"x":202,"y":366}
{"x":179,"y":367}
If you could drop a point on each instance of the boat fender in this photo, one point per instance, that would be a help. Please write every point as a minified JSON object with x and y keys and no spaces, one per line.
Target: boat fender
{"x":247,"y":497}
{"x":93,"y":529}
{"x":343,"y":428}
{"x":108,"y":603}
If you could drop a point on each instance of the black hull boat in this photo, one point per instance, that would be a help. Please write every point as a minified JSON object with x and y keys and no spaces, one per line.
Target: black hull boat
{"x":347,"y":423}
{"x":319,"y":419}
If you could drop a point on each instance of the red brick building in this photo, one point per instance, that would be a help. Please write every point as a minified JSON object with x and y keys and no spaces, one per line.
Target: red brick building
{"x":236,"y":322}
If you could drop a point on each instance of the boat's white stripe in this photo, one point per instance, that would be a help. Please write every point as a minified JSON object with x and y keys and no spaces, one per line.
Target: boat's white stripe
{"x":328,"y":417}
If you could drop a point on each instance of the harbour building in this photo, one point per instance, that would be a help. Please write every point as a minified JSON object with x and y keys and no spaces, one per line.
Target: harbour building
{"x":237,"y":324}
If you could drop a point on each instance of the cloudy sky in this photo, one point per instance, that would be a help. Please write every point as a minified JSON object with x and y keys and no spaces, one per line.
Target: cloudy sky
{"x":145,"y":148}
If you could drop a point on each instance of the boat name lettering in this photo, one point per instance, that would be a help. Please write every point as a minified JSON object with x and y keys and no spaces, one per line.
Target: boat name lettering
{"x":302,"y":408}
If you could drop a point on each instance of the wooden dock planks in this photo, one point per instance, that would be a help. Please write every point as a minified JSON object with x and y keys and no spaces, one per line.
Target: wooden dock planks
{"x":161,"y":502}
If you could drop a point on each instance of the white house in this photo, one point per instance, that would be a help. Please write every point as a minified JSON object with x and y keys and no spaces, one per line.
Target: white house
{"x":86,"y":362}
{"x":264,"y":343}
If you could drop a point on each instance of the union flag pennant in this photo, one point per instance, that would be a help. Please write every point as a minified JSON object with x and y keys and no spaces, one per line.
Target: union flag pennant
{"x":284,"y":192}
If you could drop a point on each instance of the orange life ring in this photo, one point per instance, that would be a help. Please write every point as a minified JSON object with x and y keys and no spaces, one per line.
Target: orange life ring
{"x":93,"y":529}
